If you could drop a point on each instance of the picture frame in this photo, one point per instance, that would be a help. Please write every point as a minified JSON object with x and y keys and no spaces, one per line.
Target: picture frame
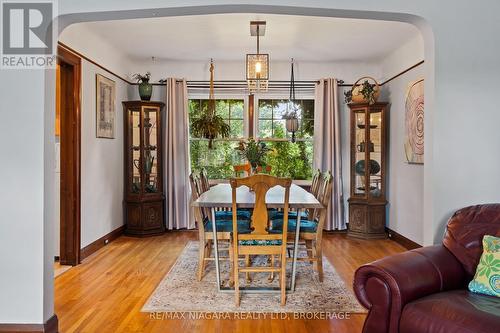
{"x":105,"y":107}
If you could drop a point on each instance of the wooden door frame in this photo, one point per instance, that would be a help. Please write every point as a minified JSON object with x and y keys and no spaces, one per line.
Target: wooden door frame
{"x":70,"y":232}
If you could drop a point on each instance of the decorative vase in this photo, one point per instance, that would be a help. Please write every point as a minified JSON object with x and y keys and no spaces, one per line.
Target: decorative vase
{"x":145,"y":91}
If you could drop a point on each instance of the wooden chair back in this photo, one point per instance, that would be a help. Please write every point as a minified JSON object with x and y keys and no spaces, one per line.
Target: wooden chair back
{"x":266,"y":169}
{"x":259,"y":223}
{"x":316,"y":182}
{"x":242,"y":169}
{"x":205,"y":184}
{"x":324,"y":196}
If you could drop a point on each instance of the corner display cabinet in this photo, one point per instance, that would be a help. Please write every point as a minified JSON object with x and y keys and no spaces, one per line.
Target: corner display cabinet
{"x":144,"y":195}
{"x":368,"y":170}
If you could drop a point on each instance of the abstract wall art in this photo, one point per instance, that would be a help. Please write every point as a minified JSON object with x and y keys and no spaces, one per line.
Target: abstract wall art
{"x":414,"y":123}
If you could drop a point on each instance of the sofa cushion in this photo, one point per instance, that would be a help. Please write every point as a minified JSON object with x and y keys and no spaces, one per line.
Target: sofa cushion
{"x":487,"y":277}
{"x":457,"y":311}
{"x":465,"y":231}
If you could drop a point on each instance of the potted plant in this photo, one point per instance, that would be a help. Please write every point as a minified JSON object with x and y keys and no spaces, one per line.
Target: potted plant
{"x":145,"y":88}
{"x":363,"y":93}
{"x":255,"y":152}
{"x":209,"y":125}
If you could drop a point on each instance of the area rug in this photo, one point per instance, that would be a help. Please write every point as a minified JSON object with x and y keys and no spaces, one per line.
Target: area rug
{"x":180,"y":290}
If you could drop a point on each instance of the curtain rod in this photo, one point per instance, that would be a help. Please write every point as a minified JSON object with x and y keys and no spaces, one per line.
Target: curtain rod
{"x":284,"y":83}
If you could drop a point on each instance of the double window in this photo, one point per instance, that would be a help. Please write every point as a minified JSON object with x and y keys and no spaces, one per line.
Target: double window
{"x":286,"y":159}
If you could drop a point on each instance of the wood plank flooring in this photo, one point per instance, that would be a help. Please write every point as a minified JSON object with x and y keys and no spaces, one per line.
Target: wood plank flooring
{"x":107,"y":291}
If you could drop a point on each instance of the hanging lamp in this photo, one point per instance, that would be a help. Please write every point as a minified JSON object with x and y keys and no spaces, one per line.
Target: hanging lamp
{"x":257,"y":64}
{"x":291,"y":116}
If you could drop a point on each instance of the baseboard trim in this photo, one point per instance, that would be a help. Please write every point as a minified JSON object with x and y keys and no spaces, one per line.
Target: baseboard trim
{"x":402,"y":240}
{"x":101,"y":242}
{"x":50,"y":326}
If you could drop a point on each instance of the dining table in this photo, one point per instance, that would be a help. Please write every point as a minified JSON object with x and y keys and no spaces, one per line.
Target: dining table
{"x":220,"y":196}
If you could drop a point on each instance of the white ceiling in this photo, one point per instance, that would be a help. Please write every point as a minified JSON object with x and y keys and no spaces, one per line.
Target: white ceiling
{"x":227,"y":37}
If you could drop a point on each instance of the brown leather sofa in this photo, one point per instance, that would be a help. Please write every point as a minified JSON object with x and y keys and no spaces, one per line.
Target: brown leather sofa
{"x":425,"y":290}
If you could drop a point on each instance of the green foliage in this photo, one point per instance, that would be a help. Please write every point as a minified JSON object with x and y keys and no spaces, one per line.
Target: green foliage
{"x":254,"y":152}
{"x":209,"y":125}
{"x":286,"y":159}
{"x":289,"y":159}
{"x":142,"y":78}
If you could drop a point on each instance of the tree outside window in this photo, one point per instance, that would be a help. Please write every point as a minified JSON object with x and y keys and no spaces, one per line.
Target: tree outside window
{"x":286,"y":159}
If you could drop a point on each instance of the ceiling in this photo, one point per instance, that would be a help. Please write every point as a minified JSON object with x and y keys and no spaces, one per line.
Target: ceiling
{"x":227,"y":37}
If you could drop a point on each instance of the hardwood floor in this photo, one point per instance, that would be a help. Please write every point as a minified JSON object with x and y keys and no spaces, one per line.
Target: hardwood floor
{"x":107,"y":291}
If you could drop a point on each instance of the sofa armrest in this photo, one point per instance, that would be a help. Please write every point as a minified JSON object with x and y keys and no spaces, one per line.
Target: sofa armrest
{"x":387,"y":285}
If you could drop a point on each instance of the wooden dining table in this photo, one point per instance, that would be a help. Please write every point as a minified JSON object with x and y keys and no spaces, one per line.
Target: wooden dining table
{"x":220,"y":196}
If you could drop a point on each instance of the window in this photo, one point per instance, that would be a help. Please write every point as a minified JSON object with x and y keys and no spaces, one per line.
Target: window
{"x":218,"y":161}
{"x":287,"y":159}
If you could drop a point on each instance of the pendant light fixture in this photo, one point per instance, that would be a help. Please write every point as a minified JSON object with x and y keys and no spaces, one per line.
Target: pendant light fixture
{"x":257,"y":64}
{"x":291,"y":116}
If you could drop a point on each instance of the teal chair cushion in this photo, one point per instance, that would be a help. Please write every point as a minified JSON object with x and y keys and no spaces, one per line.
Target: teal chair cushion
{"x":275,"y":214}
{"x":305,"y":226}
{"x":228,"y":215}
{"x":227,"y":226}
{"x":257,"y":242}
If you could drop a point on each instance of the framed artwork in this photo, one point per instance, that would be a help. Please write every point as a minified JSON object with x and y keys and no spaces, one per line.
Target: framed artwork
{"x":105,"y":107}
{"x":414,"y":123}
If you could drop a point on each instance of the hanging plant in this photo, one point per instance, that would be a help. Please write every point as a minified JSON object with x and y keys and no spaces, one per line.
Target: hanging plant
{"x":209,"y":125}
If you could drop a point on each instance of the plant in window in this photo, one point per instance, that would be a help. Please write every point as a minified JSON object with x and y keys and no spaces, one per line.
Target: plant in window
{"x":209,"y":125}
{"x":255,"y":152}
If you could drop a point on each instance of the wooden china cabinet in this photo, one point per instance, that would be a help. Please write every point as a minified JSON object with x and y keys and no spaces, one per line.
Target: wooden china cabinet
{"x":144,"y":194}
{"x":367,"y":202}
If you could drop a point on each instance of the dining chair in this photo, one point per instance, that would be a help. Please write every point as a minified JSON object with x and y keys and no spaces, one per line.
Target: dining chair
{"x":205,"y":184}
{"x":205,"y":234}
{"x":258,"y":240}
{"x":315,"y":185}
{"x":311,"y":229}
{"x":242,"y":170}
{"x":264,"y":169}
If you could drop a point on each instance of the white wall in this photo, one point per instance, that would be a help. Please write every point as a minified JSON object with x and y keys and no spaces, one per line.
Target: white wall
{"x":461,"y":47}
{"x":102,"y":162}
{"x":92,"y":45}
{"x":406,"y":181}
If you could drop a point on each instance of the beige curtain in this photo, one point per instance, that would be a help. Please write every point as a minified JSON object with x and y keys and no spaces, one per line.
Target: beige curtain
{"x":178,"y":210}
{"x":327,"y":147}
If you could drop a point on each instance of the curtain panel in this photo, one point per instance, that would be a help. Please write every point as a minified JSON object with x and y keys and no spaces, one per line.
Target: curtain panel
{"x":179,"y":213}
{"x":327,"y":147}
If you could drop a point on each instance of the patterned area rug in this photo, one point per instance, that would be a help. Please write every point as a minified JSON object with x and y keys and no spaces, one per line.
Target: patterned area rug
{"x":180,"y":290}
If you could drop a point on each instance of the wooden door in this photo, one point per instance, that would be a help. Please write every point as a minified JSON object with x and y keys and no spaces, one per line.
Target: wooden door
{"x":68,"y":105}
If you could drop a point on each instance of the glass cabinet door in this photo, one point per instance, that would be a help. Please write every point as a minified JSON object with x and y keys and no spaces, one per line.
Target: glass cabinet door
{"x":359,"y":151}
{"x":150,"y":159}
{"x":375,"y":152}
{"x":135,"y":153}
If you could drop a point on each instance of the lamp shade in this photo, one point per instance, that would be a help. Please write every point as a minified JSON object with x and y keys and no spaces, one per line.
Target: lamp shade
{"x":257,"y":67}
{"x":292,"y":125}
